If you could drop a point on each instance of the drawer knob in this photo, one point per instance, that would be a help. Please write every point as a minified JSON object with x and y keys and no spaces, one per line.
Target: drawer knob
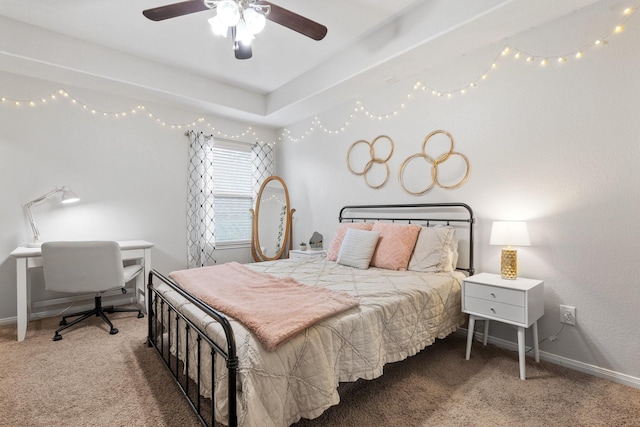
{"x":493,"y":295}
{"x":493,"y":310}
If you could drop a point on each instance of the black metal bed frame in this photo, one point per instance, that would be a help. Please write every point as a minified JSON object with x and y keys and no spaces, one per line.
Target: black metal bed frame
{"x":407,"y":213}
{"x":158,"y":325}
{"x":160,"y":328}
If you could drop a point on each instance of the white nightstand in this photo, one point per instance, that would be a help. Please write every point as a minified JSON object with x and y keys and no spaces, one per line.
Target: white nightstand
{"x":518,"y":302}
{"x":296,"y":253}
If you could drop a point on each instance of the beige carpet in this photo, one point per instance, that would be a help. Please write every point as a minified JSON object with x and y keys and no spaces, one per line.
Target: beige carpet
{"x":91,"y":378}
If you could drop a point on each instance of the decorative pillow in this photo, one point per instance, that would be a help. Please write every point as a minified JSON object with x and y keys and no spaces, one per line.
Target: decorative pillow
{"x":395,"y":246}
{"x":436,"y":250}
{"x":453,"y":248}
{"x":334,"y":248}
{"x":357,"y":248}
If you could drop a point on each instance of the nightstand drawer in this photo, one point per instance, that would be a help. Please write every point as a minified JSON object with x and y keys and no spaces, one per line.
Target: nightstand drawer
{"x":494,"y":309}
{"x":295,"y":253}
{"x":494,"y":293}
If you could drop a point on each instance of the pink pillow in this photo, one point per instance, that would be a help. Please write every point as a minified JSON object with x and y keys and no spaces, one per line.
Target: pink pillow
{"x":336,"y":243}
{"x":395,"y":245}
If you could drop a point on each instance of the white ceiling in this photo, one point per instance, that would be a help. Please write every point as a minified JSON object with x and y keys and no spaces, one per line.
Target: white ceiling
{"x":109,"y":45}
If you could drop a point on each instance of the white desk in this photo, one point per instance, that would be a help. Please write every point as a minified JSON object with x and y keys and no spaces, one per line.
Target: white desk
{"x":26,"y":258}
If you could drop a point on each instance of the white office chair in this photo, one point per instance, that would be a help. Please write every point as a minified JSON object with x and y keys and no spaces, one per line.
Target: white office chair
{"x":80,"y":267}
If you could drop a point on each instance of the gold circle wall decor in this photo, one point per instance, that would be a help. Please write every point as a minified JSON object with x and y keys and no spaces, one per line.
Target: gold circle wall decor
{"x":373,"y":159}
{"x":434,"y":165}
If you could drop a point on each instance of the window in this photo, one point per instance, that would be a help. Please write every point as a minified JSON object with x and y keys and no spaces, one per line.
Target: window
{"x":232,"y":192}
{"x":223,"y":178}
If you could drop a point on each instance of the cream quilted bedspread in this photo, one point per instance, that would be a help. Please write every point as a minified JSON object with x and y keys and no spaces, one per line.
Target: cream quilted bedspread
{"x":400,"y":313}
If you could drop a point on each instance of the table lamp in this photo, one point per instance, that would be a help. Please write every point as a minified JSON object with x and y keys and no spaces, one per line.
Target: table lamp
{"x":68,"y":196}
{"x":509,"y":233}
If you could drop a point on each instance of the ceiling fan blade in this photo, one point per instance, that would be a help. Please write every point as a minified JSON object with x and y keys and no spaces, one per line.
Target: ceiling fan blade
{"x":176,"y":9}
{"x":291,"y":20}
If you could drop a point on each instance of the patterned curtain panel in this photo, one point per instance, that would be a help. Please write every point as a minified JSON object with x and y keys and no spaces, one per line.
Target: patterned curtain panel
{"x":200,"y":211}
{"x":263,"y":165}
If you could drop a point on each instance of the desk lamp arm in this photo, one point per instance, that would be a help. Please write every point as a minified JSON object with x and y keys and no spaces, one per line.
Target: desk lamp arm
{"x":68,"y":196}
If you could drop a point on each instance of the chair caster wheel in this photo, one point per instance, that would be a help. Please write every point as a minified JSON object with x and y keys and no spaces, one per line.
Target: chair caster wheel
{"x":113,"y":331}
{"x":62,"y":323}
{"x":140,"y":315}
{"x":57,"y":337}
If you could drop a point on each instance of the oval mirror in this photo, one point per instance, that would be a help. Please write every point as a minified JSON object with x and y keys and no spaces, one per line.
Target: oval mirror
{"x":271,"y":221}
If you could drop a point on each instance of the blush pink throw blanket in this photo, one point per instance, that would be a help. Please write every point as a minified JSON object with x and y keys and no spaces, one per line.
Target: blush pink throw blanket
{"x":273,"y":308}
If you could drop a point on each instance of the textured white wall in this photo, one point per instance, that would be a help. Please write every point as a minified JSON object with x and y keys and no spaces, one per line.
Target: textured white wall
{"x":557,"y":146}
{"x":129,"y":172}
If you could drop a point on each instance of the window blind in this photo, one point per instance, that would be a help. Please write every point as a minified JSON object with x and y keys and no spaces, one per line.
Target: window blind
{"x":232,"y":191}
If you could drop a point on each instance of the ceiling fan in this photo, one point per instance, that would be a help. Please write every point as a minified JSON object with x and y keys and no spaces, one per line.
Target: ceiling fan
{"x":240,"y":18}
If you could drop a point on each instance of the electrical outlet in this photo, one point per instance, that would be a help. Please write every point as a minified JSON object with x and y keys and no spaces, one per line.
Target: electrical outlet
{"x":567,"y":314}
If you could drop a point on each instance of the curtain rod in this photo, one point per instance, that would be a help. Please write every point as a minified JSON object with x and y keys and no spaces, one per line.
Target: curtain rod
{"x":186,"y":133}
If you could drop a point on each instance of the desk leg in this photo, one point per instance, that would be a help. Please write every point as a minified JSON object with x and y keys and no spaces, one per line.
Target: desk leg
{"x":141,"y":282}
{"x":521,"y":358}
{"x":472,"y":324}
{"x":536,"y":350}
{"x":22,"y":301}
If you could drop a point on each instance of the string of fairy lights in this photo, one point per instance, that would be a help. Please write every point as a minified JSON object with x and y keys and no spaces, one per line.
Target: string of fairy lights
{"x":135,"y":111}
{"x":420,"y":87}
{"x":359,"y":109}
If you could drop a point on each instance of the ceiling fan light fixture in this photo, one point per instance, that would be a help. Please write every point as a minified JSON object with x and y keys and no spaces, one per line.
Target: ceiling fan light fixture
{"x":255,"y":21}
{"x":218,"y":27}
{"x":228,"y":12}
{"x":241,"y":18}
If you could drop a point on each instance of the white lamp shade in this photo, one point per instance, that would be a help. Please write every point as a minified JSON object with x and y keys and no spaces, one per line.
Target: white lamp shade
{"x":228,"y":12}
{"x":509,"y":233}
{"x":68,"y":196}
{"x":218,"y":27}
{"x":255,"y":21}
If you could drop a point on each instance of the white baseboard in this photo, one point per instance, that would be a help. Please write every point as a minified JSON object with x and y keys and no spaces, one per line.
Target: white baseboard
{"x":85,"y":304}
{"x":586,"y":368}
{"x":8,"y":321}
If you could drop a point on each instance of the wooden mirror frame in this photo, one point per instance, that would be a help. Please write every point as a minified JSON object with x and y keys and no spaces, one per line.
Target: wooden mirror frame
{"x":287,"y":240}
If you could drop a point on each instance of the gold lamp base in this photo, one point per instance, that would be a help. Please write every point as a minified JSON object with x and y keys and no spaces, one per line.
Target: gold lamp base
{"x":509,"y":264}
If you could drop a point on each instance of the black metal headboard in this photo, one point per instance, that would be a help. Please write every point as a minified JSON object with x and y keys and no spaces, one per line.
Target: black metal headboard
{"x":458,"y":215}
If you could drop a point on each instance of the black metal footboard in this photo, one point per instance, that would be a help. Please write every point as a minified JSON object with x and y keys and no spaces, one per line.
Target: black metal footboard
{"x":165,"y":323}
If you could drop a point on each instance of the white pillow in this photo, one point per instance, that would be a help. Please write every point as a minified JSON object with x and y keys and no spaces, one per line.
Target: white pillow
{"x":436,"y":250}
{"x":357,"y":248}
{"x":454,"y":255}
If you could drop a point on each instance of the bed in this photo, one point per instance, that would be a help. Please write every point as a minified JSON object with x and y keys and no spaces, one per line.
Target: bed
{"x":229,"y":376}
